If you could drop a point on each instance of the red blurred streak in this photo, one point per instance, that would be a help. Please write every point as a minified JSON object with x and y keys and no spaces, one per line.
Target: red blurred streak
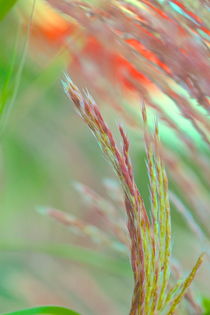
{"x":126,"y":73}
{"x":204,"y":29}
{"x":160,"y":12}
{"x":121,"y":68}
{"x":147,"y":54}
{"x":145,"y":31}
{"x":58,"y":32}
{"x":54,"y":32}
{"x":193,"y":16}
{"x":93,"y":49}
{"x":190,"y":13}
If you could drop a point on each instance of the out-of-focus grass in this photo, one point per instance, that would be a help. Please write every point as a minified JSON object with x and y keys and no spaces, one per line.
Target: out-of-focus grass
{"x":40,"y":157}
{"x":44,"y":148}
{"x":92,"y":258}
{"x":11,"y":83}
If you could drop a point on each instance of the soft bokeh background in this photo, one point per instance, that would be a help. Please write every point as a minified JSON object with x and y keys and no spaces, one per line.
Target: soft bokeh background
{"x":45,"y":148}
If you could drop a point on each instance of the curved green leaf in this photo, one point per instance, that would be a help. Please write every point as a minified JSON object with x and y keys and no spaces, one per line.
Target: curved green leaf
{"x":5,"y":7}
{"x":47,"y":310}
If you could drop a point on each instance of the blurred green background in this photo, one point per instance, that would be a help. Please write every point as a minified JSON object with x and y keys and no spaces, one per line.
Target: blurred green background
{"x":44,"y":149}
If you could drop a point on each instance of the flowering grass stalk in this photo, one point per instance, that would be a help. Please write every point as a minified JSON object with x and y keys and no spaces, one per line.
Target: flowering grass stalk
{"x":149,"y":231}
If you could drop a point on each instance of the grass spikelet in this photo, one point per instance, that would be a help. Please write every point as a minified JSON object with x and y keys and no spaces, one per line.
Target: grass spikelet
{"x":185,"y":285}
{"x":149,"y":232}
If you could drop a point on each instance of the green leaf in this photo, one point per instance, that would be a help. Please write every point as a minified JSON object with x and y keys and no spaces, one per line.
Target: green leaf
{"x":47,"y":310}
{"x":5,"y":7}
{"x":206,"y":306}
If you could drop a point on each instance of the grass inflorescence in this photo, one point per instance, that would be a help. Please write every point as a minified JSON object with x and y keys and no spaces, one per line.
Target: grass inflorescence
{"x":149,"y":231}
